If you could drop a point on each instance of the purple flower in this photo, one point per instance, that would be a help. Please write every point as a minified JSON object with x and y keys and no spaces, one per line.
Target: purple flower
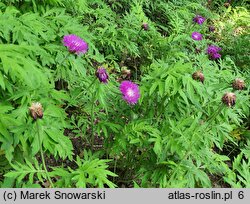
{"x":130,"y":91}
{"x":199,"y":19}
{"x":215,"y":56}
{"x":75,"y":44}
{"x":212,"y":51}
{"x":102,"y":75}
{"x":196,"y":36}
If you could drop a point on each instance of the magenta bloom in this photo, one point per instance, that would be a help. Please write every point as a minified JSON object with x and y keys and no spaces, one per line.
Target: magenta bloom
{"x":215,"y":56}
{"x":130,"y":91}
{"x":199,"y":19}
{"x":196,"y":36}
{"x":75,"y":44}
{"x":212,"y":51}
{"x":102,"y":75}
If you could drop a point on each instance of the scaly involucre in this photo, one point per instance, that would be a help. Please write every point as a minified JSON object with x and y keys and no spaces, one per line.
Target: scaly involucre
{"x":102,"y":75}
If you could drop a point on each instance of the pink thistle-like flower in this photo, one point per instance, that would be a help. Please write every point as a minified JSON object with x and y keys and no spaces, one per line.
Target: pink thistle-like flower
{"x":215,"y":56}
{"x":199,"y":19}
{"x":75,"y":44}
{"x":102,"y":75}
{"x":196,"y":36}
{"x":212,"y":51}
{"x":130,"y":91}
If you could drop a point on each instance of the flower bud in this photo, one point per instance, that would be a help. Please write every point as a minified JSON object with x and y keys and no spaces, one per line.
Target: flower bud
{"x":145,"y":26}
{"x":238,"y":84}
{"x":227,"y":4}
{"x":102,"y":75}
{"x":126,"y":73}
{"x":197,"y":50}
{"x":229,"y":99}
{"x":36,"y":110}
{"x":211,"y":28}
{"x":198,"y":76}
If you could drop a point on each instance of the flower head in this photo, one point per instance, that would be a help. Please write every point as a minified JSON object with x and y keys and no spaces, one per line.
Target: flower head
{"x":199,"y":19}
{"x":130,"y":91}
{"x":216,"y":56}
{"x":198,"y":75}
{"x":211,"y":28}
{"x":75,"y":44}
{"x":238,"y":84}
{"x":196,"y":36}
{"x":36,"y":110}
{"x":145,"y":26}
{"x":212,"y":51}
{"x":102,"y":75}
{"x":229,"y":99}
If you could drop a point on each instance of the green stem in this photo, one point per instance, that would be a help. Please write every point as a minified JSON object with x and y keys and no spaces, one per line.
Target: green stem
{"x":81,"y":92}
{"x":42,"y":156}
{"x":115,"y":168}
{"x":92,"y":121}
{"x":217,"y":112}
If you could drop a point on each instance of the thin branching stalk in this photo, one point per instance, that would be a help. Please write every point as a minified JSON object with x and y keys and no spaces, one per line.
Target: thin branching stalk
{"x":216,"y":113}
{"x":92,"y":121}
{"x":82,"y":92}
{"x":42,"y":155}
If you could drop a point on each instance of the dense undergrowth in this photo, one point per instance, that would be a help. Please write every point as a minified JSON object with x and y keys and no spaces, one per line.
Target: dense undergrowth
{"x":179,"y":134}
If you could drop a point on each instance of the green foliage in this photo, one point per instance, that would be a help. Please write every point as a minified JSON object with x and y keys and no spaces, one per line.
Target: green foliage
{"x":27,"y":169}
{"x":90,"y":172}
{"x":239,"y":177}
{"x":233,"y":30}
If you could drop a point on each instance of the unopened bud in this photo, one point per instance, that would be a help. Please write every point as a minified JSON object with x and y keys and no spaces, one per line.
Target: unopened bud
{"x":36,"y":110}
{"x":198,"y":76}
{"x":126,"y":73}
{"x":211,"y":28}
{"x":197,"y":50}
{"x":102,"y":75}
{"x":238,"y":84}
{"x":145,"y":26}
{"x":229,"y":99}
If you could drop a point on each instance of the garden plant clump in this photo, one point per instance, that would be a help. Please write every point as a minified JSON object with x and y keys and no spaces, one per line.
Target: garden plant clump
{"x":128,"y":93}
